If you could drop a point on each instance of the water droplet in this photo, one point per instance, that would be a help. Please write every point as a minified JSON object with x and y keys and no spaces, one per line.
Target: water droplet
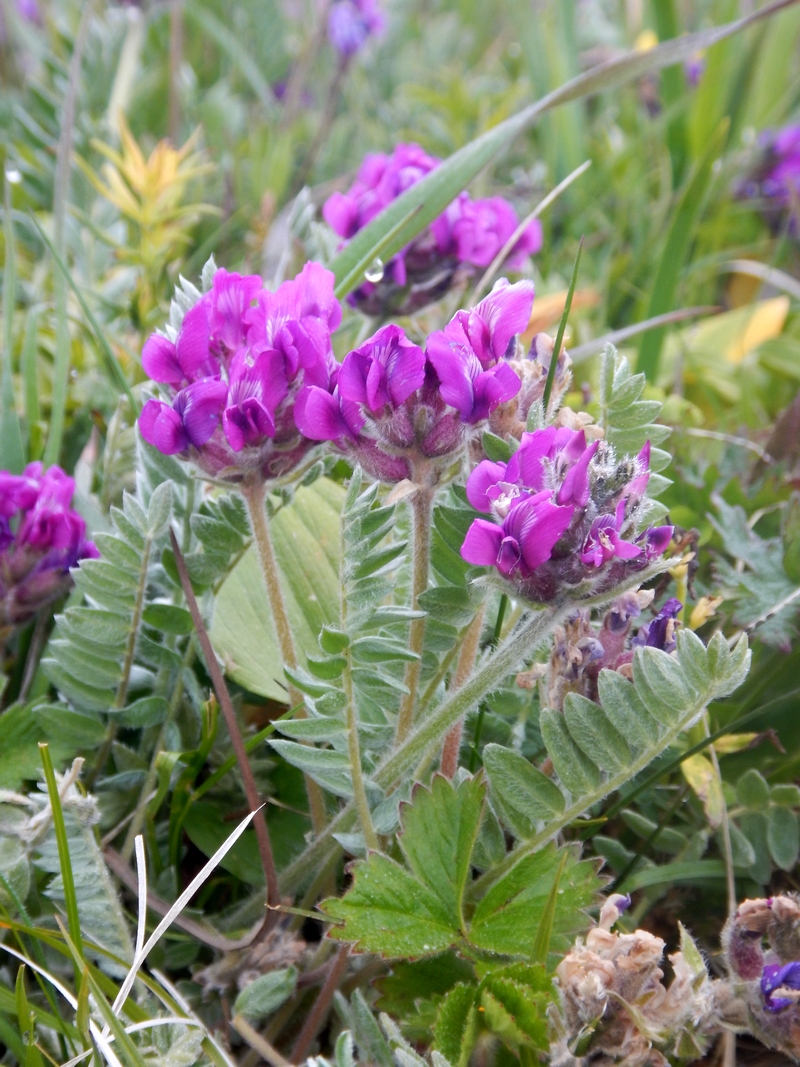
{"x":374,"y":272}
{"x":13,"y":175}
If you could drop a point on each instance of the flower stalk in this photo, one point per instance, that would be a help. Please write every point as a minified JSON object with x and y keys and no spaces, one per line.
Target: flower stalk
{"x":422,"y":519}
{"x":466,"y":664}
{"x":255,"y":494}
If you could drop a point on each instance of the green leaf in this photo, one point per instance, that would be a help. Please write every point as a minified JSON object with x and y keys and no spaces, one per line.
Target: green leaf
{"x":396,"y":912}
{"x":523,"y":795}
{"x":326,"y":766}
{"x":507,"y":917}
{"x":783,"y":837}
{"x":389,"y":912}
{"x":785,"y":795}
{"x":578,"y":773}
{"x":752,"y":791}
{"x":457,"y":1025}
{"x":168,"y":619}
{"x":265,"y":994}
{"x":69,"y":726}
{"x":440,"y":826}
{"x":306,"y":537}
{"x":516,"y":1010}
{"x":594,"y":734}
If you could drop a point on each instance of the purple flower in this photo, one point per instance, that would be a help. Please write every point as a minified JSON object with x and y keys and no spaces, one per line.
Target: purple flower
{"x":383,"y":373}
{"x":604,"y":543}
{"x":240,"y":360}
{"x":525,"y":539}
{"x":41,"y":538}
{"x":660,"y":633}
{"x":775,"y":179}
{"x":483,"y":228}
{"x":555,"y":459}
{"x":466,"y":236}
{"x":486,"y":330}
{"x":351,"y":23}
{"x":775,"y":977}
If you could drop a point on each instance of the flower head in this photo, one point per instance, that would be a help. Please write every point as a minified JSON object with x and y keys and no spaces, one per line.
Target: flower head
{"x":396,"y":405}
{"x":468,"y":235}
{"x":234,"y":371}
{"x":41,"y":538}
{"x":601,"y":496}
{"x":352,"y":22}
{"x":775,"y":179}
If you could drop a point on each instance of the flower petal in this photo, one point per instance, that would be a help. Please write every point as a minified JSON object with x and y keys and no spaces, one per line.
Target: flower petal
{"x":162,"y":427}
{"x":482,"y":543}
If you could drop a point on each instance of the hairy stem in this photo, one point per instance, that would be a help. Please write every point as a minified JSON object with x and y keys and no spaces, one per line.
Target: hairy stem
{"x":422,"y":518}
{"x":255,"y":495}
{"x":466,"y":663}
{"x":226,"y":705}
{"x":322,"y":1004}
{"x":516,"y":649}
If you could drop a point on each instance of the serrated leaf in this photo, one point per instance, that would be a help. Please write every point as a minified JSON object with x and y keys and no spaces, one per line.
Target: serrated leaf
{"x":457,"y":1025}
{"x":389,"y":912}
{"x":507,"y":917}
{"x":515,"y":1012}
{"x":522,"y":793}
{"x":440,"y":826}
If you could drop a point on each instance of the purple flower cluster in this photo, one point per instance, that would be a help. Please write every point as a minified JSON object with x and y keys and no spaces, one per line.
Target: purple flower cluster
{"x":776,"y":976}
{"x":351,"y":23}
{"x":41,"y":538}
{"x":235,"y":370}
{"x":468,"y":235}
{"x":396,"y":407}
{"x":562,"y":509}
{"x":776,"y":181}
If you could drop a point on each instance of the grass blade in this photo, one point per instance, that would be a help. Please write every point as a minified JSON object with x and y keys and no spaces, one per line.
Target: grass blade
{"x":113,"y":368}
{"x":616,"y":338}
{"x":673,"y":257}
{"x":12,"y":453}
{"x":70,"y":897}
{"x":551,"y":370}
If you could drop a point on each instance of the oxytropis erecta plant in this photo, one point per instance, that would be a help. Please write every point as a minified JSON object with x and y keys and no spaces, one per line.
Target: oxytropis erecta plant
{"x":520,"y":571}
{"x":467,"y":236}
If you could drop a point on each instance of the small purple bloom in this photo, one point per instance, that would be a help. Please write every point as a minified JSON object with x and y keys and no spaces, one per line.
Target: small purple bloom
{"x":660,"y":632}
{"x":484,"y":227}
{"x":525,"y":539}
{"x":231,"y":295}
{"x":351,"y":23}
{"x":187,"y":359}
{"x":776,"y":976}
{"x":383,"y":372}
{"x":603,"y":542}
{"x":487,"y":329}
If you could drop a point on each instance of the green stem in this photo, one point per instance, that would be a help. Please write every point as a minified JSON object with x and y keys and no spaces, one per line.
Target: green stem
{"x":13,"y":456}
{"x":354,"y":752}
{"x":428,"y":735}
{"x":255,"y":496}
{"x":724,"y":824}
{"x":64,"y":861}
{"x":422,"y":517}
{"x":466,"y":663}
